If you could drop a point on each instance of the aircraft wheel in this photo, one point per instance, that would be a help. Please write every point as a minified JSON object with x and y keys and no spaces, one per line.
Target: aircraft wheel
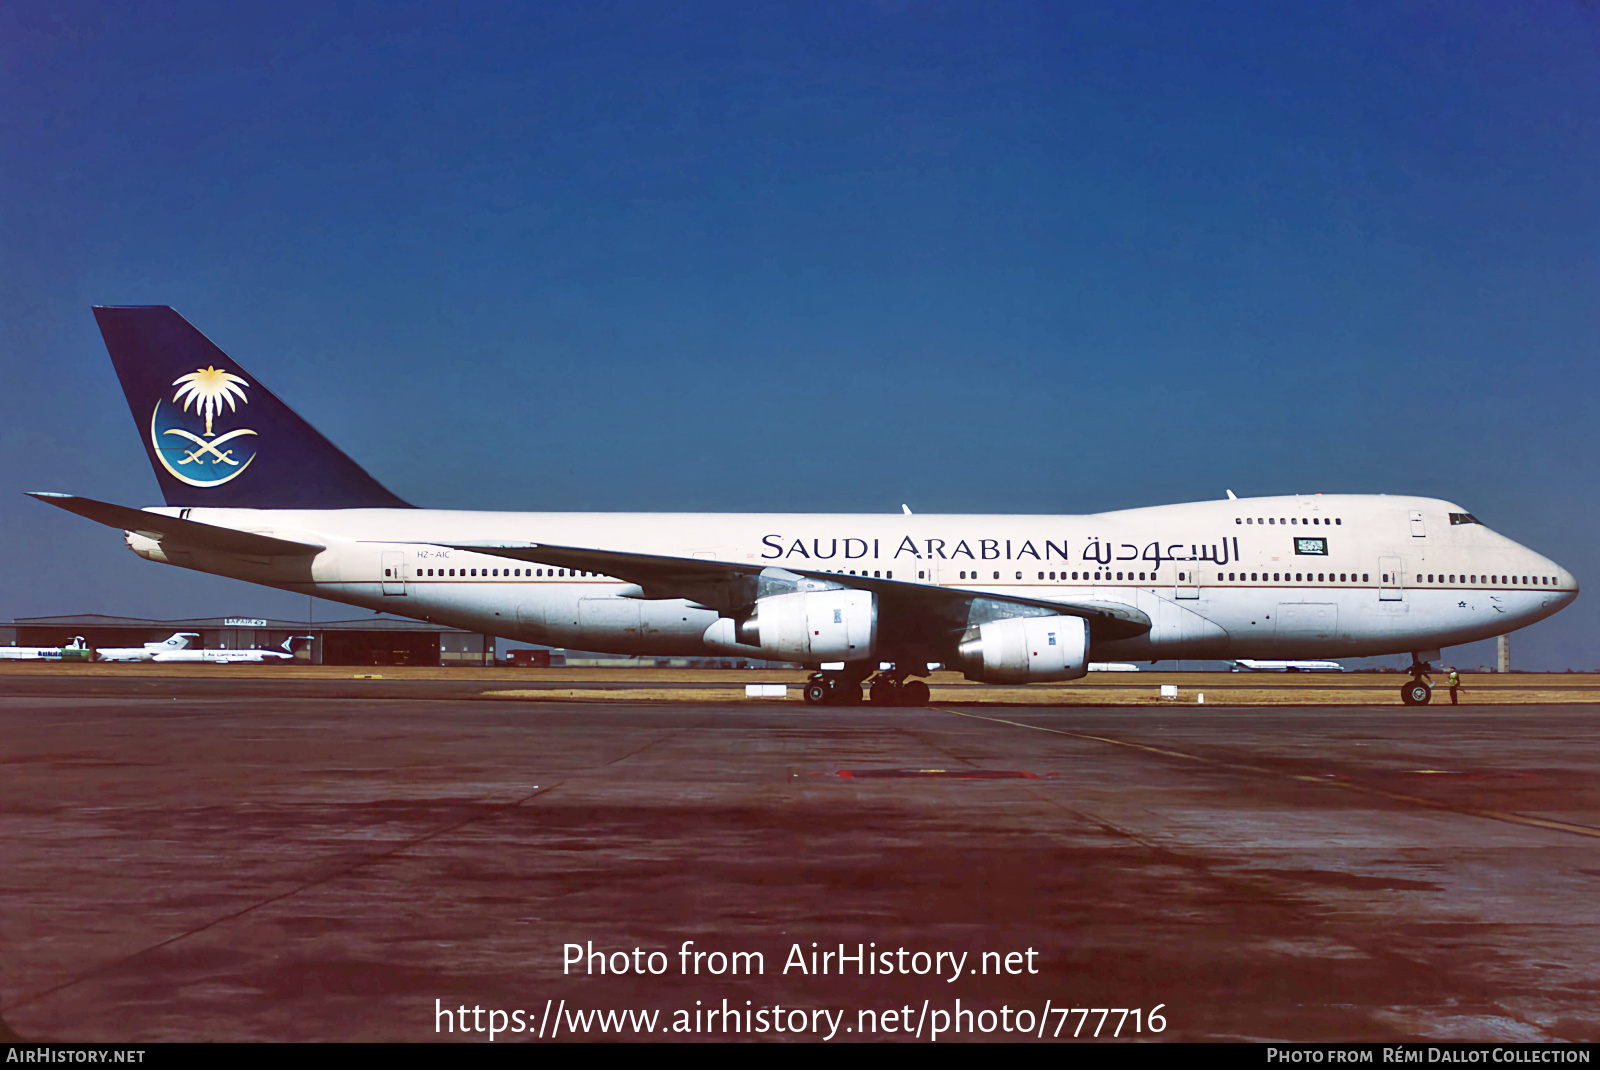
{"x":914,"y":693}
{"x":1416,"y":693}
{"x":816,"y":693}
{"x":884,"y":693}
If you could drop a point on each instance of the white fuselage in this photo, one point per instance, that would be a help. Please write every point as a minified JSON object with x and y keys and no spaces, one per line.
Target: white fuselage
{"x":222,"y":657}
{"x":147,"y":652}
{"x":1252,"y":665}
{"x":75,"y":652}
{"x":1290,"y":577}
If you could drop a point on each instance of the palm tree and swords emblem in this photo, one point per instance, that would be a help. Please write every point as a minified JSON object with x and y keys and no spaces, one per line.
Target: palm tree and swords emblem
{"x":205,"y":390}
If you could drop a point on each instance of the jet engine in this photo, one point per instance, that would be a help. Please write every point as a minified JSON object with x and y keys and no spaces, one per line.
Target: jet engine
{"x":1021,"y":650}
{"x":804,"y":626}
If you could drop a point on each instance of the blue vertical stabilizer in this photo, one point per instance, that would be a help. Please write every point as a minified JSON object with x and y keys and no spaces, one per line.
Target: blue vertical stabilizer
{"x":217,"y":437}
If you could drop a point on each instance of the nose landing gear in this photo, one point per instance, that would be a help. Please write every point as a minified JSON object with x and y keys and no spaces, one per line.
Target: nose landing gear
{"x":1418,"y":691}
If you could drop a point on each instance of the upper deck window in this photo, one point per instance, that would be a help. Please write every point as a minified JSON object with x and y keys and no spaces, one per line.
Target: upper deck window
{"x":1464,"y":518}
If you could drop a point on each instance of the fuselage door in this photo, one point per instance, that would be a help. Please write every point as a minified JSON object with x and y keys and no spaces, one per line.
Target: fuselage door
{"x":1418,"y":529}
{"x":1188,"y":584}
{"x":394,"y":572}
{"x":1390,"y":587}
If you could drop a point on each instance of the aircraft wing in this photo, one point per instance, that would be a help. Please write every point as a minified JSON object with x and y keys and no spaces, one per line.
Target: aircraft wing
{"x":183,"y":532}
{"x":732,"y":587}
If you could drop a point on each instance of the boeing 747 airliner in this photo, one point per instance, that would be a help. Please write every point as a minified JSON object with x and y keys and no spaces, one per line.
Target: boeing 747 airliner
{"x":255,"y":493}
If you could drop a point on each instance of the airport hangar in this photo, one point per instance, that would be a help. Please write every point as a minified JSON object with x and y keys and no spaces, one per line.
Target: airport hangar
{"x":378,"y":641}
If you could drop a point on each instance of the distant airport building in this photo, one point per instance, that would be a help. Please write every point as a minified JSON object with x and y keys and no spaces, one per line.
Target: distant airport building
{"x":374,"y":641}
{"x":377,"y":641}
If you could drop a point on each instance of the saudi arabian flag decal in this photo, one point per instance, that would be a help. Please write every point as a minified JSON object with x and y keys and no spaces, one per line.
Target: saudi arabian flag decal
{"x":186,"y":434}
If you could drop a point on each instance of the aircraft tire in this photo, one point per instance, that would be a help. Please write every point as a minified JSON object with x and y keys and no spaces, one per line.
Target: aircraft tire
{"x":1416,"y":693}
{"x":914,"y":693}
{"x":816,"y":693}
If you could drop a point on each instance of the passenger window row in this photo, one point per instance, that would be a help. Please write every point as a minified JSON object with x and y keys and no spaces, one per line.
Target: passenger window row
{"x":1291,"y":577}
{"x":1100,"y":576}
{"x":491,"y":573}
{"x":1518,"y":581}
{"x":1336,"y":521}
{"x":1222,"y":577}
{"x":1106,"y":575}
{"x":1285,"y":577}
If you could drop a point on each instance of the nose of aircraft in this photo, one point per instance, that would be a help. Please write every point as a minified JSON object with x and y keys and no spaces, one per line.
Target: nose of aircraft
{"x":1565,"y":590}
{"x":1560,"y":586}
{"x":1568,"y":588}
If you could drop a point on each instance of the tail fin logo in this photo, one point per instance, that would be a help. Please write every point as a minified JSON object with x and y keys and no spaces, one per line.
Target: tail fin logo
{"x":187,"y":443}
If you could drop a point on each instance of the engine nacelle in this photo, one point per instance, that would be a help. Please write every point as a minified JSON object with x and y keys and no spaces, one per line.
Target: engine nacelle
{"x":1020,"y":650}
{"x":805,"y":626}
{"x":145,"y":546}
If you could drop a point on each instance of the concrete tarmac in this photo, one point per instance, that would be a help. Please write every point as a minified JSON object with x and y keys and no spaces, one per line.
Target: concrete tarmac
{"x":602,"y":684}
{"x":262,"y":866}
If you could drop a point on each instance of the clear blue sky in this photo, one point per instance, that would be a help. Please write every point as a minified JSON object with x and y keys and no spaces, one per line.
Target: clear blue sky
{"x":975,"y":257}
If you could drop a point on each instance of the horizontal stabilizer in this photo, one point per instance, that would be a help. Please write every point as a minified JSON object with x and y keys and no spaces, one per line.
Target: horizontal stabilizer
{"x":170,"y":529}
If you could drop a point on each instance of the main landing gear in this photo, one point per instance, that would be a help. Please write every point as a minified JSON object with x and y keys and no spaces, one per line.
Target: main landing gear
{"x":887,"y":688}
{"x":1418,"y":691}
{"x":893,"y":689}
{"x":832,"y":689}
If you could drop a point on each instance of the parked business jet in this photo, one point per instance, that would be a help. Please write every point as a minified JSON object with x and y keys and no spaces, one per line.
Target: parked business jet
{"x":1251,"y":665}
{"x":150,"y":651}
{"x":218,"y":656}
{"x":253,"y":492}
{"x":77,"y":650}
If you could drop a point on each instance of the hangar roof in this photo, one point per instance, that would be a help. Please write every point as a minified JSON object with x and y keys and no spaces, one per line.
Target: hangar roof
{"x":101,"y":620}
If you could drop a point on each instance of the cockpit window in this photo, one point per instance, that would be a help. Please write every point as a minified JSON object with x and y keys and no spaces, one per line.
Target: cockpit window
{"x":1464,"y":518}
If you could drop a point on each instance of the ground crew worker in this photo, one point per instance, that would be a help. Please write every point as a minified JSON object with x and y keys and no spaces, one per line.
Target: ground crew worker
{"x":1454,"y":680}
